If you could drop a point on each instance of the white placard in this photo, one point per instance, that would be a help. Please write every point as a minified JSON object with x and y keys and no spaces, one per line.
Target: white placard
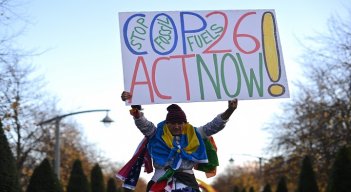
{"x":197,"y":56}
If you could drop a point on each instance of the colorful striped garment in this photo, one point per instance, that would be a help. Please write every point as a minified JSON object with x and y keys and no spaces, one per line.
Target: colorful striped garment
{"x":163,"y":148}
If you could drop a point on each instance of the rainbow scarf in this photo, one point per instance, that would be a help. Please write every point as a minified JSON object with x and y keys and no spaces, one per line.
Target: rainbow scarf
{"x":163,"y":147}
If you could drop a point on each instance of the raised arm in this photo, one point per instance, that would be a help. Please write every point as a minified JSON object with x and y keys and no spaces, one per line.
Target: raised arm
{"x":232,"y":105}
{"x":144,"y":125}
{"x":219,"y":122}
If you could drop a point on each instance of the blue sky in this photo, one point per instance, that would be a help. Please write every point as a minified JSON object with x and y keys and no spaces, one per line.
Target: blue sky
{"x":82,"y":65}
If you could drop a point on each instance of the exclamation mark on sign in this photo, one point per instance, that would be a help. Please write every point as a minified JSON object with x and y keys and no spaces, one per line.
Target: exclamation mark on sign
{"x":271,"y":54}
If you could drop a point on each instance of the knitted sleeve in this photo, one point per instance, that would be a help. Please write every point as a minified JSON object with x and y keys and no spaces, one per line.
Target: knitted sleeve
{"x":213,"y":127}
{"x":145,"y":126}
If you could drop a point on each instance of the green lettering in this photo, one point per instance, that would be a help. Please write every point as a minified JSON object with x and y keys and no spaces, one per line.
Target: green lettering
{"x":252,"y":80}
{"x":216,"y":85}
{"x":238,"y":76}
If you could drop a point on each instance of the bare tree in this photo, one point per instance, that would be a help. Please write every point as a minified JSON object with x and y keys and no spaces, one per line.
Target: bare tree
{"x":24,"y":103}
{"x":22,"y":98}
{"x":317,"y":122}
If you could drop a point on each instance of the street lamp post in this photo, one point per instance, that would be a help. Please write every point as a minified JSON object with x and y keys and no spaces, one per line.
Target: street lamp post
{"x":57,"y":158}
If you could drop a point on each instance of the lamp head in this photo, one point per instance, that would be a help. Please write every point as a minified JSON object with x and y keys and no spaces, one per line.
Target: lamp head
{"x":231,"y":160}
{"x":107,"y":120}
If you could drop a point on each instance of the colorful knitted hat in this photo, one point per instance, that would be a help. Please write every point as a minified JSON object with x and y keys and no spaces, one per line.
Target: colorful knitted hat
{"x":175,"y":114}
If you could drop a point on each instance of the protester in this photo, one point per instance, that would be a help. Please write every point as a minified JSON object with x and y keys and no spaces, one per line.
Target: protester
{"x":175,"y":147}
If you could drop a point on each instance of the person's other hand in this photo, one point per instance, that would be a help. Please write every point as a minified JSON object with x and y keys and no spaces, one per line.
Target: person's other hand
{"x":135,"y":113}
{"x":233,"y":104}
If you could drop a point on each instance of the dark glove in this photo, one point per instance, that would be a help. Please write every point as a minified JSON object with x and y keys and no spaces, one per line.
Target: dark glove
{"x":136,"y":107}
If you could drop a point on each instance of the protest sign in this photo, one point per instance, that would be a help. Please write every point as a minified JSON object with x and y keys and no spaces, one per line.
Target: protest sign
{"x":193,"y":56}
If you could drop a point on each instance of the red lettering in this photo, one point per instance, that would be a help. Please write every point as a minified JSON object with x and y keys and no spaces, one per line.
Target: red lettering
{"x":147,"y":82}
{"x":154,"y":78}
{"x":236,"y":35}
{"x":208,"y":50}
{"x":185,"y":73}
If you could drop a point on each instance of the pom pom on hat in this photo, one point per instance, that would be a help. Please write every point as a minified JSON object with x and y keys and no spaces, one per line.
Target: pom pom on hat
{"x":175,"y":114}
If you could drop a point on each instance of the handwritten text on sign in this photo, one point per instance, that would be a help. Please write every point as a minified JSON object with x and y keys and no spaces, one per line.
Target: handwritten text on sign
{"x":192,"y":56}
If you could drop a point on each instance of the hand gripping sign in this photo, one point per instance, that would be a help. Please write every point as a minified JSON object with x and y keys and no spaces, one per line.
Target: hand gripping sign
{"x":193,"y":56}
